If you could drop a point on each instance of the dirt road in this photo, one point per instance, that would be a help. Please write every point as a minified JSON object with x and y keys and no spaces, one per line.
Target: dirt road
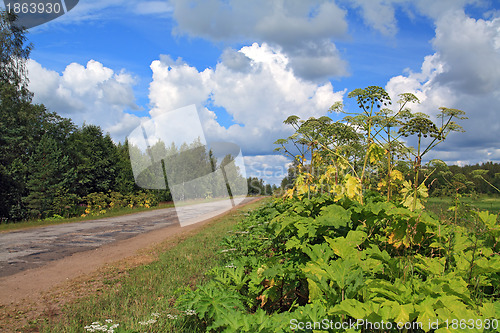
{"x":25,"y":249}
{"x":35,"y":260}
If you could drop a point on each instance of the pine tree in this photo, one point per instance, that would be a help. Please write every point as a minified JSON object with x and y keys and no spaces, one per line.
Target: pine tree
{"x":48,"y":175}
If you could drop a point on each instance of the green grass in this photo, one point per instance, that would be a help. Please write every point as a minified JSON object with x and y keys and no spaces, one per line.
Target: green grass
{"x":440,"y":205}
{"x":151,"y":288}
{"x":110,"y":213}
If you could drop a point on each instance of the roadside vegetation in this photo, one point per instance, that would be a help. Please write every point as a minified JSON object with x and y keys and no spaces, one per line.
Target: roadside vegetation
{"x":367,"y":230}
{"x":355,"y":245}
{"x":54,"y":220}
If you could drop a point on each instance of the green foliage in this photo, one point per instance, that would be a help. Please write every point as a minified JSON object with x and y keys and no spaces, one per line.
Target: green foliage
{"x":344,"y":253}
{"x":14,"y":51}
{"x":256,"y":186}
{"x":14,"y":106}
{"x":321,"y":258}
{"x":48,"y":174}
{"x":95,"y":160}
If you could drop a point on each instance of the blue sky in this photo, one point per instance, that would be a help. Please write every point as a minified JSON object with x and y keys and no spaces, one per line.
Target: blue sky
{"x":247,"y":65}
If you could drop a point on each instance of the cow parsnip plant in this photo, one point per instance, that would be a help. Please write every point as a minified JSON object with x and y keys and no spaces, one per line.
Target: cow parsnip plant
{"x":366,"y":146}
{"x":315,"y":259}
{"x":333,"y":250}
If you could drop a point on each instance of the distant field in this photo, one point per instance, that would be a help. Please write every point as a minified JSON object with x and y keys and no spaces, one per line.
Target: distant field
{"x":440,"y":205}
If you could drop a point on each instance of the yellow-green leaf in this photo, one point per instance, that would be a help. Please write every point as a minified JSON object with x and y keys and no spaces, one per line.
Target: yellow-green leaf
{"x":402,"y":313}
{"x":375,"y":153}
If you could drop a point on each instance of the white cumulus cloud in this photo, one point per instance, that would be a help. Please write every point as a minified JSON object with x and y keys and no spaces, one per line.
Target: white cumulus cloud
{"x":271,"y":168}
{"x":463,"y":73}
{"x":257,"y":98}
{"x":302,"y":29}
{"x":93,"y":94}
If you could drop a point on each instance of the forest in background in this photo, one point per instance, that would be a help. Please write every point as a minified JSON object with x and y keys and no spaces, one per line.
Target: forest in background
{"x":50,"y":167}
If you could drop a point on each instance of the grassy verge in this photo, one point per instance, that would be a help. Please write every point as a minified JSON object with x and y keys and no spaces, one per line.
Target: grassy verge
{"x":142,"y":298}
{"x":110,"y":213}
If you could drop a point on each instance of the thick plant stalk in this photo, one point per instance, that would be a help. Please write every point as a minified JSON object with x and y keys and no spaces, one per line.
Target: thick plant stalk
{"x":418,"y":161}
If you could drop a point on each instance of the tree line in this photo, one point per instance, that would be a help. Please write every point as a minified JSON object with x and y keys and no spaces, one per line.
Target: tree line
{"x":480,"y":178}
{"x":48,"y":165}
{"x":257,"y":186}
{"x":190,"y":171}
{"x":51,"y":167}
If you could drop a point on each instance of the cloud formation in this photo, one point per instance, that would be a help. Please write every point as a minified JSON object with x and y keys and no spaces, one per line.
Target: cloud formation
{"x":257,"y":89}
{"x":463,"y":73}
{"x":381,"y":14}
{"x":272,"y":168}
{"x":254,"y":85}
{"x":93,"y":94}
{"x":303,"y":30}
{"x":285,"y":68}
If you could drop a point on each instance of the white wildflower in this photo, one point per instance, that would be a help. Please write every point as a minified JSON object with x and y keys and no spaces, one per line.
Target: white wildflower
{"x":190,"y":312}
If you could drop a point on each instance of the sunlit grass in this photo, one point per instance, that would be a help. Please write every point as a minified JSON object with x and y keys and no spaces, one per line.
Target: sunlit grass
{"x":440,"y":205}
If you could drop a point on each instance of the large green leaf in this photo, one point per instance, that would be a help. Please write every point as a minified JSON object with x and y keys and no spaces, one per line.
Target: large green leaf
{"x":315,"y":292}
{"x":403,"y":313}
{"x":490,"y":310}
{"x":426,"y":314}
{"x":335,"y":216}
{"x":350,"y":307}
{"x":431,"y":266}
{"x":489,"y":219}
{"x":375,"y":153}
{"x":318,"y":251}
{"x":347,"y":247}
